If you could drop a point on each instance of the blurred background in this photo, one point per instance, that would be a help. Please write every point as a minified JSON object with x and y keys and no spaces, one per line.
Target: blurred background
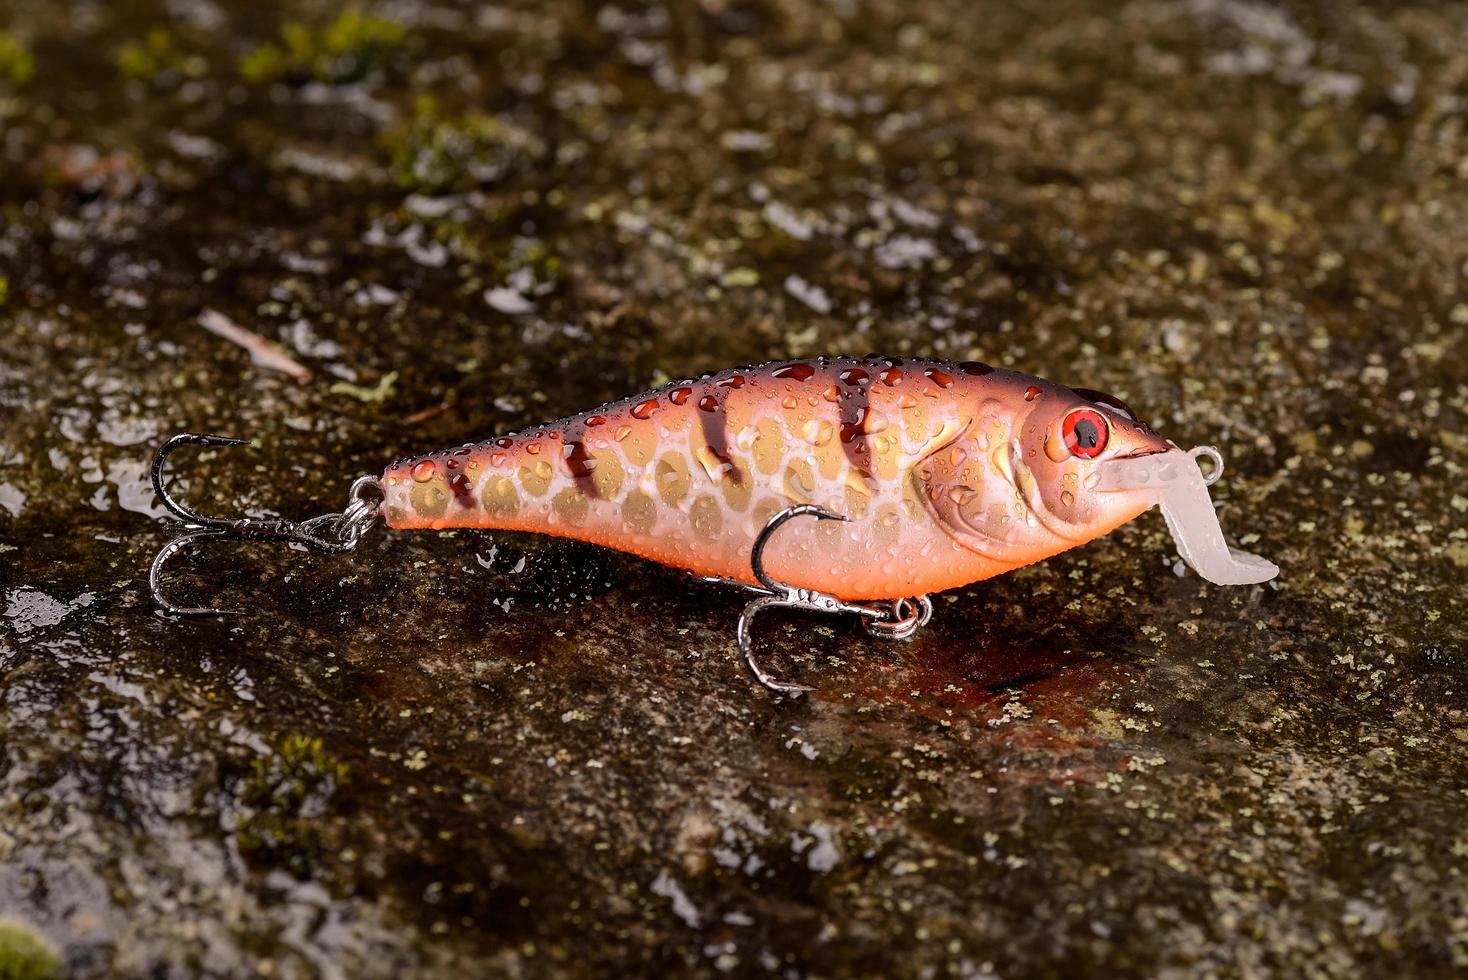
{"x":352,"y":232}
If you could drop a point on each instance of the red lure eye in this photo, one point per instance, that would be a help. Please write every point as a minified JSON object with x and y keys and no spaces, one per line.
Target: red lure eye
{"x":1085,"y":433}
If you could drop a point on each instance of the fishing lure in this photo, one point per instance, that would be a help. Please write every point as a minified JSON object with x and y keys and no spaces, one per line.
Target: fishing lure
{"x":919,"y":476}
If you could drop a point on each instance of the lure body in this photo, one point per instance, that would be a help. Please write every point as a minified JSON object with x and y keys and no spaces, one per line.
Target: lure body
{"x":947,"y":474}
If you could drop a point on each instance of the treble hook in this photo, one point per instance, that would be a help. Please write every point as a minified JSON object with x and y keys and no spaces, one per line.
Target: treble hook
{"x":899,"y":620}
{"x":345,"y":529}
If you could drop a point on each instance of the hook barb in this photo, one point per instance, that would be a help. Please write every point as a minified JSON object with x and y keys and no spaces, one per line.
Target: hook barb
{"x":175,"y":507}
{"x":757,"y":555}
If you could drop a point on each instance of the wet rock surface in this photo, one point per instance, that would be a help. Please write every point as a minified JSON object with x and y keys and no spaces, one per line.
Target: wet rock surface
{"x":496,"y":755}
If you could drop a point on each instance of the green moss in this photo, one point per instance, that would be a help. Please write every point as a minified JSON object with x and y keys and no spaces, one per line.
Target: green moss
{"x":157,"y":55}
{"x":286,"y":800}
{"x":16,"y":63}
{"x":300,"y":43}
{"x":349,"y":48}
{"x":541,"y":263}
{"x":436,"y":154}
{"x":354,"y":34}
{"x":266,"y":63}
{"x":4,"y":289}
{"x":25,"y":955}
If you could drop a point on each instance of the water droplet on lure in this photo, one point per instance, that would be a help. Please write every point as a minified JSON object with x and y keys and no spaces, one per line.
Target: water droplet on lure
{"x":797,"y":372}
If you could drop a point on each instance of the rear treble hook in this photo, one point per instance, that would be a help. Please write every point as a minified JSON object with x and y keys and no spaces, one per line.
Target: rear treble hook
{"x":332,"y":533}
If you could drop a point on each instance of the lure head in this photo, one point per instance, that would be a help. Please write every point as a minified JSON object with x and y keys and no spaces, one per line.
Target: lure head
{"x":1054,"y":467}
{"x":1063,"y":444}
{"x":1122,"y":469}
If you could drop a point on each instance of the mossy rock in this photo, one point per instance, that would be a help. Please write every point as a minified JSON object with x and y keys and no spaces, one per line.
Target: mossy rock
{"x":287,"y":799}
{"x":158,"y":56}
{"x":25,"y":955}
{"x":433,"y":153}
{"x":350,"y":47}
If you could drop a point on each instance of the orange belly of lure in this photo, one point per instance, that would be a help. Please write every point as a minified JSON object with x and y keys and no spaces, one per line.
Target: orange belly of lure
{"x":946,"y":474}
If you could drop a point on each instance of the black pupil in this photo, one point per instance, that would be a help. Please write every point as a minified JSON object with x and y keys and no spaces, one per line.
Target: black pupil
{"x":1087,"y":435}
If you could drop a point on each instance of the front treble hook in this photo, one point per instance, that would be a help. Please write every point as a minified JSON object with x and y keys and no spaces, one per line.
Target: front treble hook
{"x":897,"y":620}
{"x":333,"y":533}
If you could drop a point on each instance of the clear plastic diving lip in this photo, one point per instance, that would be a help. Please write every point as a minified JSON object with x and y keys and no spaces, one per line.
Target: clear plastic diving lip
{"x":1180,"y":489}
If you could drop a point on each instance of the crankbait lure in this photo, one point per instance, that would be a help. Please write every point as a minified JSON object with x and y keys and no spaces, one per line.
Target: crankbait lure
{"x":921,"y":475}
